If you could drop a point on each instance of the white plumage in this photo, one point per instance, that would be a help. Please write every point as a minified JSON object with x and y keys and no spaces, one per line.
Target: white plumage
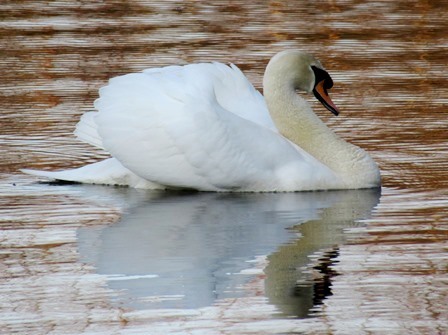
{"x":204,"y":127}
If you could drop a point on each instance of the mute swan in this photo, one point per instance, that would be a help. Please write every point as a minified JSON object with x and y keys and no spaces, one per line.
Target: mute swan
{"x":205,"y":127}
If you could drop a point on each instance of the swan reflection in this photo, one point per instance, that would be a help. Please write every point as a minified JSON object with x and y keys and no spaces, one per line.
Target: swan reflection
{"x":188,"y":250}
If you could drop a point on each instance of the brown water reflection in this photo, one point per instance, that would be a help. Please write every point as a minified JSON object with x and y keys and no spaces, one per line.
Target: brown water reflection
{"x":388,"y":61}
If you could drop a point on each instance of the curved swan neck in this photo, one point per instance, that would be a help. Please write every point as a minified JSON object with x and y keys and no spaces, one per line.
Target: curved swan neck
{"x":297,"y":122}
{"x":286,"y":73}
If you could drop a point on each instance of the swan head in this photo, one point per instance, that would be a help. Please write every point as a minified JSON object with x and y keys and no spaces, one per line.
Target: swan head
{"x":301,"y":71}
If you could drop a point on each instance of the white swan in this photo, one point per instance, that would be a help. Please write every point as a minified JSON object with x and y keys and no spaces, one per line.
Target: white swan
{"x":205,"y":127}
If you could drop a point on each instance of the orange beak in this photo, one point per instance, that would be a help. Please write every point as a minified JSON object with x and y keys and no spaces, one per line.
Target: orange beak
{"x":320,"y":92}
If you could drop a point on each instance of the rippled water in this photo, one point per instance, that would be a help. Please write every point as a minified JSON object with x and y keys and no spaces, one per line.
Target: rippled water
{"x":84,"y":259}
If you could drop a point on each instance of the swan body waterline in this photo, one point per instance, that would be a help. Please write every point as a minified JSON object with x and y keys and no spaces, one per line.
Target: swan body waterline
{"x":205,"y":127}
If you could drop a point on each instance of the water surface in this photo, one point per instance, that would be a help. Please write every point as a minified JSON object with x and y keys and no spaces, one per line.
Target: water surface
{"x":84,"y":259}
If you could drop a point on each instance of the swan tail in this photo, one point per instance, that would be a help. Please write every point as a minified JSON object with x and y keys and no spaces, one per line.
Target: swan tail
{"x":106,"y":172}
{"x":87,"y":130}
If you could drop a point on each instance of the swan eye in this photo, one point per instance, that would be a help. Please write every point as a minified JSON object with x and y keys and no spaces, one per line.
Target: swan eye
{"x":320,"y":75}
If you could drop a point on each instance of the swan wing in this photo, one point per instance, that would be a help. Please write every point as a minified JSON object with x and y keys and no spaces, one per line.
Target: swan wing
{"x":178,"y":126}
{"x":232,"y":90}
{"x":87,"y":130}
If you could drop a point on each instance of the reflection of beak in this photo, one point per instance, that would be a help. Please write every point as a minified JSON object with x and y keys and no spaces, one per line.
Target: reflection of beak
{"x":320,"y":92}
